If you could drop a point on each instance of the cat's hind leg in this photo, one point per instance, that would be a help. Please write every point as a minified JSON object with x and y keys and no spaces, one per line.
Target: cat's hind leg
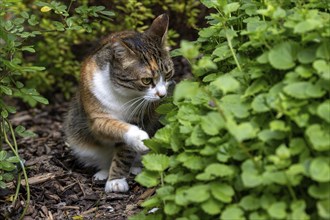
{"x":119,"y":169}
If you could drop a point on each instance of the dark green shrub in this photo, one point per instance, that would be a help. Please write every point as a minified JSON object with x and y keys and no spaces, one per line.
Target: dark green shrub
{"x":18,"y":31}
{"x":249,"y":137}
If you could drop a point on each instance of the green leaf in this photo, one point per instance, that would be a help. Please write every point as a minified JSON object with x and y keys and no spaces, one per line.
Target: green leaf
{"x":7,"y":166}
{"x":226,"y":83}
{"x":212,"y":123}
{"x":220,"y":170}
{"x":250,"y":202}
{"x":108,"y":13}
{"x":282,"y":56}
{"x":320,"y":191}
{"x":323,"y":208}
{"x":231,"y":7}
{"x":13,"y":159}
{"x":165,"y":108}
{"x":256,"y":87}
{"x":148,"y":178}
{"x":323,"y":68}
{"x":319,"y":137}
{"x":222,"y":192}
{"x":210,"y":3}
{"x":156,"y":162}
{"x":3,"y":185}
{"x":243,"y":131}
{"x":259,"y":103}
{"x":323,"y":110}
{"x":307,"y":25}
{"x":29,"y":49}
{"x":277,"y":210}
{"x":4,"y":113}
{"x":6,"y":90}
{"x":151,"y":202}
{"x":233,"y":104}
{"x":304,"y":90}
{"x":297,"y":145}
{"x":232,"y":212}
{"x":323,"y":51}
{"x":298,"y":210}
{"x":181,"y":196}
{"x":307,"y":55}
{"x":211,"y":207}
{"x":3,"y":155}
{"x":185,"y":90}
{"x":320,"y":169}
{"x":222,"y":52}
{"x":198,"y":193}
{"x":197,"y":137}
{"x":194,"y":163}
{"x":171,"y":208}
{"x":189,"y":49}
{"x":250,"y":175}
{"x":40,"y":99}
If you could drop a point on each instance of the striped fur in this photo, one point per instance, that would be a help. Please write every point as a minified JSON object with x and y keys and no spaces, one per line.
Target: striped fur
{"x":113,"y":112}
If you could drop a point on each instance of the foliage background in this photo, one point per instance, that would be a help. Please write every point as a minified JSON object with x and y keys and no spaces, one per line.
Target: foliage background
{"x":247,"y":138}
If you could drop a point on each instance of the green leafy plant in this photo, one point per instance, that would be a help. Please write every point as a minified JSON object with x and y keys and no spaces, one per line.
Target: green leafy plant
{"x":17,"y":32}
{"x":248,"y":138}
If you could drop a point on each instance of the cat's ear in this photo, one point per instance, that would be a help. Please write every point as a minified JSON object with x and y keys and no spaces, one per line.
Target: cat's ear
{"x":158,"y":28}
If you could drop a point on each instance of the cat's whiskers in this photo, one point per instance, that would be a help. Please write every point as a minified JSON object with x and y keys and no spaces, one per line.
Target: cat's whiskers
{"x":136,"y":109}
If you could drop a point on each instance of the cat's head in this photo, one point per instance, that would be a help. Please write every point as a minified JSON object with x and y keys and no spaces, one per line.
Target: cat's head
{"x":140,"y":62}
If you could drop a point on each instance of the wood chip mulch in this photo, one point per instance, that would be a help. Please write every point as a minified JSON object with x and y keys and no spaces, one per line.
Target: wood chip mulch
{"x":61,"y":188}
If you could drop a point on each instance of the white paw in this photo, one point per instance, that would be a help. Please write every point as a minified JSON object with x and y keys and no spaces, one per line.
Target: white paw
{"x":134,"y":138}
{"x":135,"y":170}
{"x":101,"y":175}
{"x":116,"y":185}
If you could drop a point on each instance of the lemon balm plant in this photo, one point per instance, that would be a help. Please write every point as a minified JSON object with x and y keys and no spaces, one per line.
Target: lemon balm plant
{"x":248,"y":138}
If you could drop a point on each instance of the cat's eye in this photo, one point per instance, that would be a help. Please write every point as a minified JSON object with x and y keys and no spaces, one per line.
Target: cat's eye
{"x":146,"y":81}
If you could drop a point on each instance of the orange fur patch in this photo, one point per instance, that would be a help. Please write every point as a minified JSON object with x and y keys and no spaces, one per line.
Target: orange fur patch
{"x":153,"y":65}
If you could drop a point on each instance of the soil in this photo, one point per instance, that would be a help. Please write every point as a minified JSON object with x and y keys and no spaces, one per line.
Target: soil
{"x":60,"y":187}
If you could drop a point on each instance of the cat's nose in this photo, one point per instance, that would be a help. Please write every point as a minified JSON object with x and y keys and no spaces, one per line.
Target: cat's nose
{"x":161,"y":95}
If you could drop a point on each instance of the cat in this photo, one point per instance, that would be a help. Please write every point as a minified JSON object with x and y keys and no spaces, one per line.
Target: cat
{"x":121,"y":84}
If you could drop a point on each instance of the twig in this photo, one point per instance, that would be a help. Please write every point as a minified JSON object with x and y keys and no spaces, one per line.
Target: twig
{"x":35,"y":180}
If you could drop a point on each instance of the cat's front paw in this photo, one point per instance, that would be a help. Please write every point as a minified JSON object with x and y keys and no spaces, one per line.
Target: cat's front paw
{"x":134,"y":138}
{"x":116,"y":185}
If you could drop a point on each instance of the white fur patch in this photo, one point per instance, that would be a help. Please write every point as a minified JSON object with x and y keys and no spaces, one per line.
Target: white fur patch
{"x":101,"y":175}
{"x":111,"y":97}
{"x":134,"y":138}
{"x":116,"y":185}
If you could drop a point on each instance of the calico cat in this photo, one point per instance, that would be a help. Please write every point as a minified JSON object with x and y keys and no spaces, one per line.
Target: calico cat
{"x":112,"y":113}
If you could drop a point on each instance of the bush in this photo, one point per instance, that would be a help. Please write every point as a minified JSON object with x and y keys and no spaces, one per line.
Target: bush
{"x":18,"y":29}
{"x":248,"y":138}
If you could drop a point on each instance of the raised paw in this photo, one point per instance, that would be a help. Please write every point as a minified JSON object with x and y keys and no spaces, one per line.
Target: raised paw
{"x":101,"y":175}
{"x":116,"y":185}
{"x":134,"y":138}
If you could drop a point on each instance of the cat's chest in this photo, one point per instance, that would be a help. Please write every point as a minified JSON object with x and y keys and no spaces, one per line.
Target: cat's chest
{"x":114,"y":102}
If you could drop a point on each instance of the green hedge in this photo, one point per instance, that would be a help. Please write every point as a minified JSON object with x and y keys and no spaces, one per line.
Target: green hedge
{"x":249,"y":137}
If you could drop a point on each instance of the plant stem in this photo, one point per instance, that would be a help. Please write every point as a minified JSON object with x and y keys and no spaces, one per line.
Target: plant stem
{"x":233,"y":52}
{"x":15,"y":151}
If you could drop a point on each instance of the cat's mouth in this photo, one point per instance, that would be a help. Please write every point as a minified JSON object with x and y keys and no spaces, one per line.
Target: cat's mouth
{"x":153,"y":98}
